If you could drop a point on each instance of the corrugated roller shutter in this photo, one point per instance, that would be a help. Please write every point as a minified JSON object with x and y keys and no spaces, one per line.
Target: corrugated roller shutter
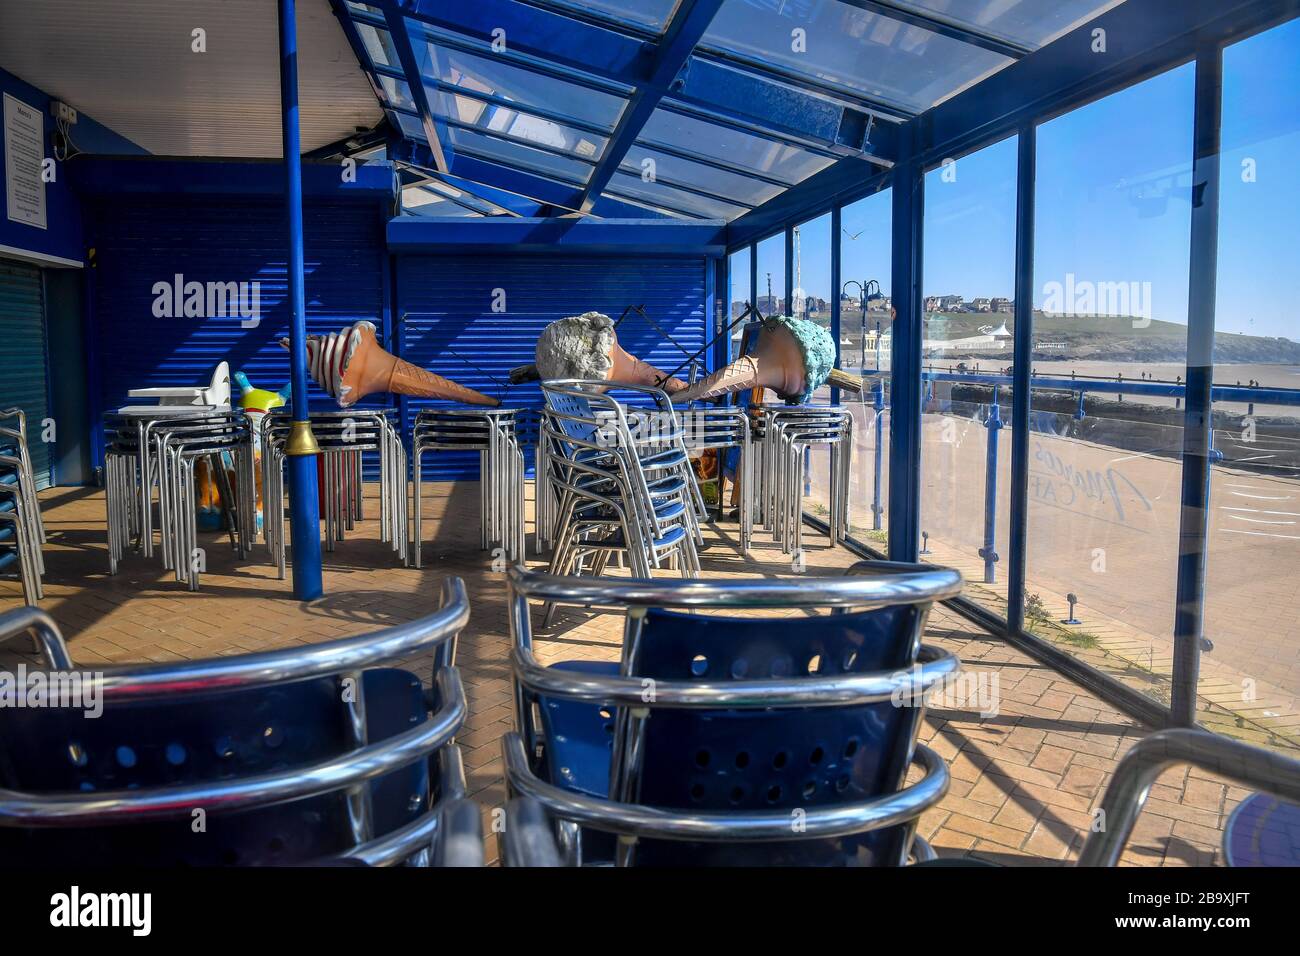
{"x":22,"y":360}
{"x":141,"y":241}
{"x":451,"y":326}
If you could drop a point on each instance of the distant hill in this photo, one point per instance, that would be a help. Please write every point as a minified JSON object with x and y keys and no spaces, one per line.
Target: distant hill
{"x":1109,"y":338}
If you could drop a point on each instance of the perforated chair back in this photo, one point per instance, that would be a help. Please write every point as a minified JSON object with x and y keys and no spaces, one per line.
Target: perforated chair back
{"x":728,"y":740}
{"x":276,"y":758}
{"x":786,"y":758}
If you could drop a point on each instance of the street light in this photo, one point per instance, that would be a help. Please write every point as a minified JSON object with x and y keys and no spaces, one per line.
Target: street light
{"x":866,"y":295}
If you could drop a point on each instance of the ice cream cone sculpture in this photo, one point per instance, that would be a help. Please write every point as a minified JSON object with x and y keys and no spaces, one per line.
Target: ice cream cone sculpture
{"x":351,"y":364}
{"x":794,"y":357}
{"x":585,"y":346}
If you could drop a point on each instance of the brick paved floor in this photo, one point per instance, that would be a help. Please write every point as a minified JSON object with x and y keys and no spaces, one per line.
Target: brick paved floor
{"x":1023,"y":781}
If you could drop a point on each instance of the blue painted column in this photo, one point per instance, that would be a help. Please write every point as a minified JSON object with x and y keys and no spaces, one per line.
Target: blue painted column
{"x":1193,"y":530}
{"x":1022,"y":377}
{"x":904,"y":510}
{"x":989,"y":552}
{"x":301,"y":448}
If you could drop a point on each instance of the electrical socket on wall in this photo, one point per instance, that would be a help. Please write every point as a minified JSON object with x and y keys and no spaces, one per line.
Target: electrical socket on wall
{"x":62,"y":111}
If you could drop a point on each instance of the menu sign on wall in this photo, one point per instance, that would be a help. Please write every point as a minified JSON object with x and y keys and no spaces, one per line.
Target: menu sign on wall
{"x":24,"y":150}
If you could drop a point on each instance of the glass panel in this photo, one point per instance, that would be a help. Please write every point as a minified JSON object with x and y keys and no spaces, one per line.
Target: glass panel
{"x":521,"y":124}
{"x":669,"y":169}
{"x":646,"y":13}
{"x":969,"y":246}
{"x":520,"y":85}
{"x":656,"y":192}
{"x":411,"y":126}
{"x":1029,"y":22}
{"x":865,"y":261}
{"x":862,"y":51}
{"x":1111,"y":253}
{"x":786,"y":163}
{"x":365,"y":8}
{"x":397,"y":92}
{"x":418,"y":201}
{"x":379,"y":46}
{"x":515,"y":154}
{"x":738,"y":283}
{"x":812,"y":271}
{"x":1250,"y":668}
{"x":771,"y":275}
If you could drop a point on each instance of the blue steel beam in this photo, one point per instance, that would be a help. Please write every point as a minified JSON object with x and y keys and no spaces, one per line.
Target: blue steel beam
{"x":733,"y":94}
{"x":304,"y":507}
{"x":904,"y":508}
{"x":1022,"y":365}
{"x":1198,"y":421}
{"x":683,"y":31}
{"x":552,"y":235}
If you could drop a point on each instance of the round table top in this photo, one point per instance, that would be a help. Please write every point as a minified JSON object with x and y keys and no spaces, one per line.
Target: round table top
{"x":170,"y":411}
{"x":1264,"y":830}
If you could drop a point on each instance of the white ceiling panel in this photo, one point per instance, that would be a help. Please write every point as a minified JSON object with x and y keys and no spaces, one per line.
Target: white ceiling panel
{"x":130,"y":64}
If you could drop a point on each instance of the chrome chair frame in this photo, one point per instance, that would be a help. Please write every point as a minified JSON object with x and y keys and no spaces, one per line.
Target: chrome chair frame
{"x":720,"y":428}
{"x":343,"y":437}
{"x":492,"y":434}
{"x":608,"y":472}
{"x":25,"y":517}
{"x":909,"y":584}
{"x":1151,"y":756}
{"x":784,"y":433}
{"x":346,"y":659}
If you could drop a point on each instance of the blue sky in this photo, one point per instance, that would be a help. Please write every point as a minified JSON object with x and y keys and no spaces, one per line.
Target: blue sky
{"x":1112,"y":201}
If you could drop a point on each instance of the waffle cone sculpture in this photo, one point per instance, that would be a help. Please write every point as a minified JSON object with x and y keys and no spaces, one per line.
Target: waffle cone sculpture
{"x":794,"y":358}
{"x":586,"y":347}
{"x":351,"y":364}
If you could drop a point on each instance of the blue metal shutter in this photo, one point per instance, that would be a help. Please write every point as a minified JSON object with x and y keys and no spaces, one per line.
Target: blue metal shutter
{"x":22,"y":360}
{"x":446,"y":321}
{"x":140,"y":241}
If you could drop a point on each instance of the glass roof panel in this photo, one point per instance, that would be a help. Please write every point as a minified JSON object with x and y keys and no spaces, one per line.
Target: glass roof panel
{"x":515,"y":154}
{"x":411,"y":126}
{"x":397,"y":91}
{"x":523,"y":125}
{"x":522,"y":86}
{"x":874,"y":55}
{"x":670,"y":169}
{"x":646,"y":13}
{"x":379,"y":45}
{"x":777,"y":160}
{"x":1033,"y":23}
{"x":416,"y":200}
{"x":673,"y":199}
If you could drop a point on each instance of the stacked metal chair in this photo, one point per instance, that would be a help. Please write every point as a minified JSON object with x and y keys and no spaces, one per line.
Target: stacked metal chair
{"x":344,"y":437}
{"x":275,"y":758}
{"x":161,"y":445}
{"x":784,"y":433}
{"x":622,"y":481}
{"x":723,"y":740}
{"x":492,"y":434}
{"x":722,"y":428}
{"x":22,"y":532}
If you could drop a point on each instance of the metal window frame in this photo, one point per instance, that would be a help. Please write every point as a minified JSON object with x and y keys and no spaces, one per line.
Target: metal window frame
{"x":957,"y":127}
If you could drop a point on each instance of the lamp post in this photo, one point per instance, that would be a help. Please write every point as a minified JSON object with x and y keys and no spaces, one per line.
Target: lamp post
{"x":866,"y":295}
